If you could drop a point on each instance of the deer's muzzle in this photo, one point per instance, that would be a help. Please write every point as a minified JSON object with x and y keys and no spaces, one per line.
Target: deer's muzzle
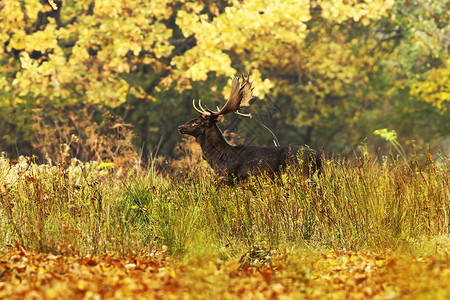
{"x":181,"y":129}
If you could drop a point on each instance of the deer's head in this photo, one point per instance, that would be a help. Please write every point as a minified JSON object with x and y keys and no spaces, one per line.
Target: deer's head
{"x":240,"y":96}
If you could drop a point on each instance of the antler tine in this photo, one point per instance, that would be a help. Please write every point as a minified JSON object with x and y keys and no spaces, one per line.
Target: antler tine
{"x":207,"y":110}
{"x":240,"y":95}
{"x":201,"y":111}
{"x":249,"y":115}
{"x":246,"y":94}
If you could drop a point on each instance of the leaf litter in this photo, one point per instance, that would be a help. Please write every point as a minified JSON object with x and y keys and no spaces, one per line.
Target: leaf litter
{"x":259,"y":274}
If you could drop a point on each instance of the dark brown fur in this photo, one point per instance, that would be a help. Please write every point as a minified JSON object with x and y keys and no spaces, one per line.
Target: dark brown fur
{"x":240,"y":161}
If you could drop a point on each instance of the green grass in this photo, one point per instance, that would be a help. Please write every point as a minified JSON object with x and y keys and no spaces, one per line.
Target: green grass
{"x":355,"y":204}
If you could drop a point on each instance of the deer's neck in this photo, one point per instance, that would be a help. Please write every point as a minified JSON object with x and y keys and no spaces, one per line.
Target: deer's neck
{"x":214,"y":147}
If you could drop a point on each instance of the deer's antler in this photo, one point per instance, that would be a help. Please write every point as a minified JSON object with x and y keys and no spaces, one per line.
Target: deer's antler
{"x":240,"y":96}
{"x":201,"y":111}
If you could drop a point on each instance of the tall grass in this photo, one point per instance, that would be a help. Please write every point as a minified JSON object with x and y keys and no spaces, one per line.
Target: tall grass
{"x":354,"y":204}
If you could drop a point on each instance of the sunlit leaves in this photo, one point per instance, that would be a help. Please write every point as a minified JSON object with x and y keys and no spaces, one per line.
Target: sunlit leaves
{"x":325,"y":59}
{"x":92,"y":69}
{"x":266,"y":30}
{"x":330,"y":275}
{"x":434,"y":87}
{"x":359,"y":11}
{"x":421,"y":58}
{"x":37,"y":41}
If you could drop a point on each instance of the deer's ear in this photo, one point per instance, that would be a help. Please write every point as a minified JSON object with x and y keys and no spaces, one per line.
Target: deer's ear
{"x":214,"y":118}
{"x":220,"y":118}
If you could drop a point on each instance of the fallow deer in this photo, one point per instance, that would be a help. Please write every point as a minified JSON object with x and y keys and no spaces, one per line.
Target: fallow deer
{"x":243,"y":160}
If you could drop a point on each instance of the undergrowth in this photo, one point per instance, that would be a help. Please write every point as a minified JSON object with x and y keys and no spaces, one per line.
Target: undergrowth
{"x":354,"y":204}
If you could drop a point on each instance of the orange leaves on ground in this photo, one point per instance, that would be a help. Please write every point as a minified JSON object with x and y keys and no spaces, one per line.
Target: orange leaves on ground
{"x":337,"y":275}
{"x":47,"y":276}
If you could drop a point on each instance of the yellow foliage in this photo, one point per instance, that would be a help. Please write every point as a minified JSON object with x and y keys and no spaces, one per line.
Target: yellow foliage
{"x":89,"y":56}
{"x":327,"y":275}
{"x":364,"y":11}
{"x":434,"y":88}
{"x":115,"y":29}
{"x":264,"y":27}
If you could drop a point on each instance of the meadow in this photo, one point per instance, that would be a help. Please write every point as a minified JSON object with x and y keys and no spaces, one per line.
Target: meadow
{"x":365,"y":223}
{"x":106,"y":202}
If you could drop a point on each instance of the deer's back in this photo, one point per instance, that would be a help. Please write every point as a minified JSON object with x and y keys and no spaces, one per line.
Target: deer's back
{"x":256,"y":160}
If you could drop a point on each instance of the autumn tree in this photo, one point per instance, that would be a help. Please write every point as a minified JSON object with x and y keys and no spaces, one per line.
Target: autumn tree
{"x":327,"y":73}
{"x":326,"y":63}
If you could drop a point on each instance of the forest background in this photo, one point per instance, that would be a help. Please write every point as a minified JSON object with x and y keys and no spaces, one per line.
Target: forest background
{"x":326,"y":73}
{"x":87,"y":88}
